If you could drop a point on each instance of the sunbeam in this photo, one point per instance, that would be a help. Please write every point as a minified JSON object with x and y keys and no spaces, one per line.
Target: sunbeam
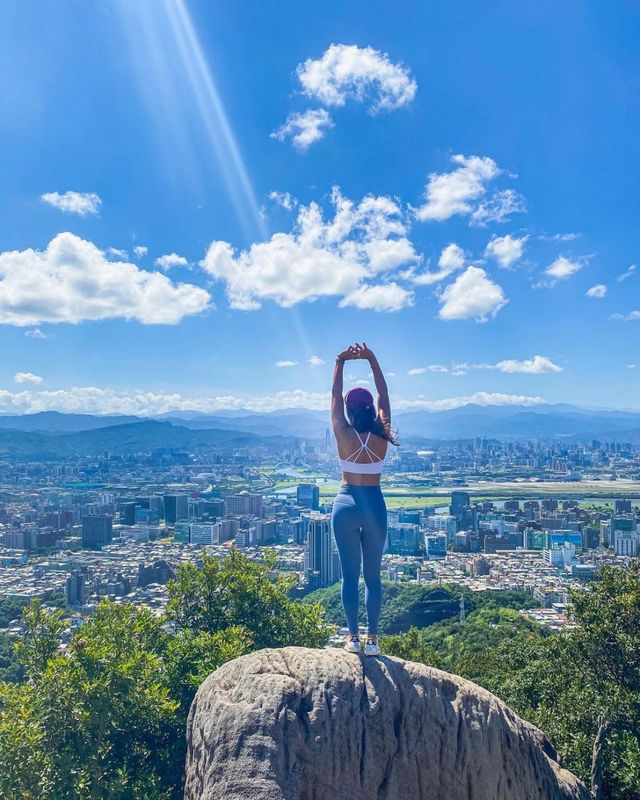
{"x":179,"y":87}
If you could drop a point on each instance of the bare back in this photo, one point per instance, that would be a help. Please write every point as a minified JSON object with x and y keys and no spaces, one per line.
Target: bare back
{"x":349,"y":443}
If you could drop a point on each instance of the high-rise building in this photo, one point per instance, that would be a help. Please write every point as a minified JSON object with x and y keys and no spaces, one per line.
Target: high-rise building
{"x":176,"y":508}
{"x":74,"y":590}
{"x":622,"y":507}
{"x":459,"y":501}
{"x":128,"y":513}
{"x":243,"y":504}
{"x":404,"y":538}
{"x":436,"y":545}
{"x":308,"y":495}
{"x":626,"y":543}
{"x":321,"y":554}
{"x":203,"y":533}
{"x":97,"y":530}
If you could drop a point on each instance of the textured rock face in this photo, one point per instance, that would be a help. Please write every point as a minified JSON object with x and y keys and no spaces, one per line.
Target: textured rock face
{"x":298,"y":724}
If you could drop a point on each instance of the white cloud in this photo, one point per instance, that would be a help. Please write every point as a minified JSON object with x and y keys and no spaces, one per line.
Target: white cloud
{"x":382,"y":297}
{"x":462,"y":190}
{"x":286,"y":363}
{"x":337,"y":257}
{"x":627,"y":274}
{"x":315,"y":361}
{"x":428,"y":368}
{"x":170,"y":260}
{"x":35,"y":333}
{"x":452,"y":192}
{"x":560,"y":237}
{"x":631,"y":316}
{"x":599,"y":290}
{"x":499,"y":207}
{"x":451,"y":259}
{"x":73,"y":281}
{"x":362,"y":74}
{"x":283,"y":199}
{"x":96,"y":400}
{"x":304,"y":128}
{"x":115,"y":252}
{"x":478,"y":399}
{"x":563,"y":268}
{"x":506,"y":250}
{"x":472,"y":295}
{"x":27,"y":377}
{"x":140,"y":251}
{"x":532,"y":366}
{"x":631,"y":366}
{"x":82,"y":203}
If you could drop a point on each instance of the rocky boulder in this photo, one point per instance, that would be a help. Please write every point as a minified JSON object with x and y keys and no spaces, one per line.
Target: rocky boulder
{"x":299,"y":724}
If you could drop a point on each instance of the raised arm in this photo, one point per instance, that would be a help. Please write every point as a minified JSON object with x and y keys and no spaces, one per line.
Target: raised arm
{"x":338,"y":419}
{"x":384,"y":405}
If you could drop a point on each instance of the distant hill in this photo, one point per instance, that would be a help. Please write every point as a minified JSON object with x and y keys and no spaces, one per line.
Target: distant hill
{"x":56,"y":422}
{"x":135,"y":437}
{"x":544,"y":421}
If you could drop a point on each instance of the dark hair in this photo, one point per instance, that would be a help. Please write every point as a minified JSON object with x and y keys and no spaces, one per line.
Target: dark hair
{"x":362,"y":415}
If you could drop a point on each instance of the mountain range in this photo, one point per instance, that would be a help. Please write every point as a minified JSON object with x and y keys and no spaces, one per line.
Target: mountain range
{"x":62,"y":434}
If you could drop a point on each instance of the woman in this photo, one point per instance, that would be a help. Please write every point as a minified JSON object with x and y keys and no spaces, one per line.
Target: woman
{"x":359,"y":517}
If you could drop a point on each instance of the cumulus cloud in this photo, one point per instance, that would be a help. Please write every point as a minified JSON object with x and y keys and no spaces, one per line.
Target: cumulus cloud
{"x":27,"y":377}
{"x":286,"y":363}
{"x":599,"y":290}
{"x":305,"y":128}
{"x":35,"y":333}
{"x":140,"y":251}
{"x":382,"y":297}
{"x":451,"y":259}
{"x":506,"y":250}
{"x":344,"y":256}
{"x":170,"y":260}
{"x":462,"y":191}
{"x":97,"y":400}
{"x":563,"y":268}
{"x":533,"y":366}
{"x":477,"y":399}
{"x":362,"y":74}
{"x":82,"y":203}
{"x":315,"y":361}
{"x":72,"y":281}
{"x":627,"y":274}
{"x":473,"y":295}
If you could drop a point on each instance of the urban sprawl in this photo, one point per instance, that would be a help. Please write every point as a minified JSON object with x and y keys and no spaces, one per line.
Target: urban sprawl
{"x":81,"y":529}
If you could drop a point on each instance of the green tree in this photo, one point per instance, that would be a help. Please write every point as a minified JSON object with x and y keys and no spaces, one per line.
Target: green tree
{"x":238,"y":592}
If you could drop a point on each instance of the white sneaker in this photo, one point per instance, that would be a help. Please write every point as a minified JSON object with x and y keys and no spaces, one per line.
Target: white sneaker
{"x":372,"y":648}
{"x":352,"y":644}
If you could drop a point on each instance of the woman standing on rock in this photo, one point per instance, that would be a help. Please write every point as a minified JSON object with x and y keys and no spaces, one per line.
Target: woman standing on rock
{"x":359,"y":517}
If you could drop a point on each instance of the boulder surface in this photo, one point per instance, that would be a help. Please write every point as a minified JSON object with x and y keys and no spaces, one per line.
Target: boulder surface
{"x":301,"y":724}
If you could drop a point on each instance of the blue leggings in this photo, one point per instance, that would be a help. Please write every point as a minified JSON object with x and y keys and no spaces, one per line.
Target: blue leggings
{"x":359,"y":521}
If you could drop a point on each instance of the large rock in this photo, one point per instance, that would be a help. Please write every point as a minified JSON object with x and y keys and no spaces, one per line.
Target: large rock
{"x":298,"y":724}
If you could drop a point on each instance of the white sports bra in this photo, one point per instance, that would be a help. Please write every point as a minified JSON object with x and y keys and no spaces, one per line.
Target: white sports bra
{"x":371,"y":467}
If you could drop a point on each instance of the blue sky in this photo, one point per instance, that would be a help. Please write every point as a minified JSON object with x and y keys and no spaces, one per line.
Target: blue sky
{"x":458,"y":190}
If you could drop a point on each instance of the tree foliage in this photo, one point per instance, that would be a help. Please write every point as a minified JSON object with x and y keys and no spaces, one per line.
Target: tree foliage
{"x":105,"y":717}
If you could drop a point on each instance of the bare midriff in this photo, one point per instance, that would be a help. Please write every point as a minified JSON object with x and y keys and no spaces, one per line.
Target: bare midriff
{"x":353,"y":479}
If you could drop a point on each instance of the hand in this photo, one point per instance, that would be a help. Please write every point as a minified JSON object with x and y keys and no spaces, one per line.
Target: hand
{"x":350,"y":354}
{"x":366,"y":352}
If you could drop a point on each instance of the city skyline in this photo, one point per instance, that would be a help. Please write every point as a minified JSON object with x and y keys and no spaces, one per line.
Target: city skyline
{"x":203,"y":204}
